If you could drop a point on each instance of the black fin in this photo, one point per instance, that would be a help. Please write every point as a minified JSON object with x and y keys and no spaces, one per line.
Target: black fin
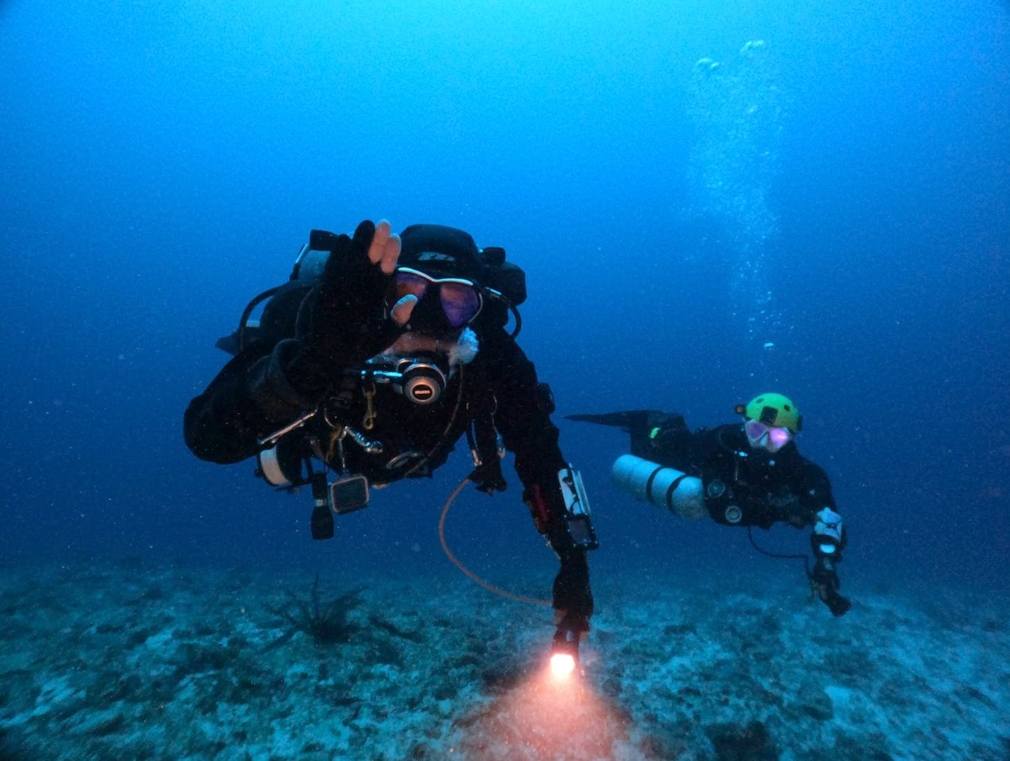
{"x":628,"y":420}
{"x":228,"y":344}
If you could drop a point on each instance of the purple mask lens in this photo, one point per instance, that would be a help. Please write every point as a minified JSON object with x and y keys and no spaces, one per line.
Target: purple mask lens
{"x":778,"y":438}
{"x":460,"y":301}
{"x":755,"y":430}
{"x":408,"y":284}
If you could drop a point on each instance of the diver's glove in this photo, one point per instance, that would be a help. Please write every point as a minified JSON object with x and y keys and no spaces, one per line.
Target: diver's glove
{"x":825,"y":583}
{"x":573,"y":598}
{"x":347,"y":316}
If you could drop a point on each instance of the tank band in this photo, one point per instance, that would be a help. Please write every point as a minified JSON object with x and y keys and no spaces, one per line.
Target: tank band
{"x":671,"y":490}
{"x":648,"y":484}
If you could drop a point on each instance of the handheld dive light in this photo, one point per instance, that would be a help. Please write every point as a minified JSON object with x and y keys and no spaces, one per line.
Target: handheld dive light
{"x":564,"y":653}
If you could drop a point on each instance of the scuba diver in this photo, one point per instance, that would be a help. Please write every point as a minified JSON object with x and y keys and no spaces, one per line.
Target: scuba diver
{"x":371,"y":362}
{"x":743,"y":474}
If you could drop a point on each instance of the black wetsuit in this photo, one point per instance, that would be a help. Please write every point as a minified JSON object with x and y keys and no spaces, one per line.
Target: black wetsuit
{"x":743,"y":486}
{"x":765,"y":487}
{"x":251,"y":398}
{"x":224,"y":423}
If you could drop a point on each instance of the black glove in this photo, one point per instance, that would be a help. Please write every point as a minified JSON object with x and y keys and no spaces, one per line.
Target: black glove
{"x":825,"y":583}
{"x":573,"y":598}
{"x":347,"y":321}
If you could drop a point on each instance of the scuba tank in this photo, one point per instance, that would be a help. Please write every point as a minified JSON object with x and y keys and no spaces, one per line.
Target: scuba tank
{"x":664,"y":487}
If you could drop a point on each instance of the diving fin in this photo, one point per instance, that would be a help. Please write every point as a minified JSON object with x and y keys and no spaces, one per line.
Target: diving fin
{"x":628,"y":421}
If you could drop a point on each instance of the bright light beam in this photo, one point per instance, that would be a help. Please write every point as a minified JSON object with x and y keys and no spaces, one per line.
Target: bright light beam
{"x":562,"y":665}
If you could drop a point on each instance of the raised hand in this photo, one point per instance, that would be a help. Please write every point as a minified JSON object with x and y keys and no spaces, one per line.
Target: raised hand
{"x":348,"y":322}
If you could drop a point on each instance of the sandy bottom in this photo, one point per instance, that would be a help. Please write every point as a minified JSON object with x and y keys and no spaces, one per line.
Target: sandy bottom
{"x":128,"y":661}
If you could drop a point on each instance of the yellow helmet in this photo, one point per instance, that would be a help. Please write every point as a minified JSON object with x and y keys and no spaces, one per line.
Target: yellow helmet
{"x":774,"y":410}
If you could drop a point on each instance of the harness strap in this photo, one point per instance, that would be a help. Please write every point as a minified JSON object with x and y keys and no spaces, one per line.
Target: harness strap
{"x":482,"y":437}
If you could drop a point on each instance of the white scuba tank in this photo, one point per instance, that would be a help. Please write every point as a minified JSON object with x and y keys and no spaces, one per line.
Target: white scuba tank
{"x":662,"y":486}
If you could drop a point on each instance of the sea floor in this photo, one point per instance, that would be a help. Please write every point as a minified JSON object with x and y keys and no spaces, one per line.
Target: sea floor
{"x":129,"y":661}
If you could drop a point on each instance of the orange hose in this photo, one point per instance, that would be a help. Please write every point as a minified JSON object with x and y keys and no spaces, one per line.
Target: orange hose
{"x":463,"y":568}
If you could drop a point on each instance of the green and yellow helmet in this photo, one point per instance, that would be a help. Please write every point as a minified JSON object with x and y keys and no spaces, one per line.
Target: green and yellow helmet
{"x":773,"y":410}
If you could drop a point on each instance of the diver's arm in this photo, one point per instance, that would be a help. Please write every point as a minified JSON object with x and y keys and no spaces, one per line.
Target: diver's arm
{"x":523,"y":417}
{"x":258,"y":393}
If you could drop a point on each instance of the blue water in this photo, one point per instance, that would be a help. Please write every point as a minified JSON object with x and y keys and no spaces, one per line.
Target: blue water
{"x":840,"y":192}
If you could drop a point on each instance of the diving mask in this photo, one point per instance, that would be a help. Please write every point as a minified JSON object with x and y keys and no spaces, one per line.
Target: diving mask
{"x":772,"y":438}
{"x":444,"y":302}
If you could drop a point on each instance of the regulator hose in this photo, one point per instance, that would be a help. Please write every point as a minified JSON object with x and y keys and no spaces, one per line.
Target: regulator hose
{"x":445,"y":546}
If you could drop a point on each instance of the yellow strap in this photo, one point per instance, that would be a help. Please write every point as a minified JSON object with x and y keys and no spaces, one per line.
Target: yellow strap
{"x":368,"y":423}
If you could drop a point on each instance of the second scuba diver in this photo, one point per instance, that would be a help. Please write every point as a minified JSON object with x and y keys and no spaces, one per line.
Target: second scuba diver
{"x":740,"y":474}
